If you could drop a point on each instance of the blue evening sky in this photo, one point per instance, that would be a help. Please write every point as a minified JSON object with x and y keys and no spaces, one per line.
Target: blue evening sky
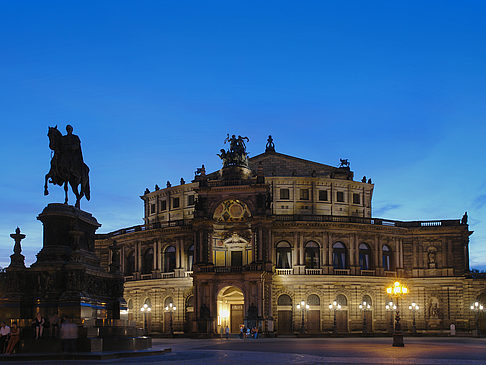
{"x":152,"y":88}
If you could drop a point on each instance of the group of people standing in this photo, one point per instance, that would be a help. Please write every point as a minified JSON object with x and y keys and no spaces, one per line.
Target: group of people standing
{"x":63,"y":328}
{"x":247,"y":332}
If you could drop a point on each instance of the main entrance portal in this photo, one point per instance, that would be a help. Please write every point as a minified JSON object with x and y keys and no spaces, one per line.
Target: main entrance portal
{"x":231,"y":309}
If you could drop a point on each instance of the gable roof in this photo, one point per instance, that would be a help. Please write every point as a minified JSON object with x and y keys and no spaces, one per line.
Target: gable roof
{"x":279,"y":164}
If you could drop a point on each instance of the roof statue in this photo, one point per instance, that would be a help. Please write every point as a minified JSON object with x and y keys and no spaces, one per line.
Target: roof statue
{"x":344,"y":162}
{"x":270,"y":147}
{"x":67,"y":164}
{"x":236,"y":155}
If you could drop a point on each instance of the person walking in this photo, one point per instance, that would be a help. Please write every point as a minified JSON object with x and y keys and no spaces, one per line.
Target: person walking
{"x":226,"y":331}
{"x":14,"y":338}
{"x":4,"y":336}
{"x":69,"y":335}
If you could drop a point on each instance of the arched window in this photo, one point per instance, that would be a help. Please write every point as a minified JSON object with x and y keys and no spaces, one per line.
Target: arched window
{"x":284,"y":255}
{"x":130,"y":263}
{"x":311,"y":255}
{"x":342,"y":300}
{"x":339,"y":256}
{"x":190,"y":257}
{"x":130,"y":310}
{"x":313,"y":299}
{"x":169,"y":259}
{"x":147,"y":261}
{"x":167,"y":301}
{"x":387,"y":258}
{"x":367,"y":299}
{"x":148,"y":302}
{"x":364,"y":256}
{"x":284,"y":299}
{"x":190,"y":302}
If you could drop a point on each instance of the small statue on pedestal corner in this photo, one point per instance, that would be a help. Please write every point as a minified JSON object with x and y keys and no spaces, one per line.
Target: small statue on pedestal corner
{"x":464,"y":218}
{"x":363,"y":180}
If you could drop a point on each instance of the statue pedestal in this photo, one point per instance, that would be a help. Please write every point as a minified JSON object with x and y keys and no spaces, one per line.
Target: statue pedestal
{"x":69,"y":235}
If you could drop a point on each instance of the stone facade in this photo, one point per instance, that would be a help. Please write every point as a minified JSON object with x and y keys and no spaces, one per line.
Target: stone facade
{"x":246,"y":245}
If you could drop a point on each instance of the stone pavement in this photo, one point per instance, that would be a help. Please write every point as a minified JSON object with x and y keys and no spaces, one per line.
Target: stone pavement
{"x":421,"y":351}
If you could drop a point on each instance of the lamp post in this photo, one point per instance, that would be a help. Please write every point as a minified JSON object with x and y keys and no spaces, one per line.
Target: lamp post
{"x":413,"y":307}
{"x":334,"y":306}
{"x":365,"y":307}
{"x":391,"y":307}
{"x":145,"y":310}
{"x":476,"y":308}
{"x":170,"y":308}
{"x":396,"y":291}
{"x":303,"y":307}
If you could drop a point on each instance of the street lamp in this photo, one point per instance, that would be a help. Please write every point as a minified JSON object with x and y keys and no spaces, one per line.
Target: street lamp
{"x":170,"y":308}
{"x":476,"y":308}
{"x":365,"y":307}
{"x":334,"y":306}
{"x":391,"y":307}
{"x":414,"y":308}
{"x":303,"y":307}
{"x":396,"y":291}
{"x":145,"y":310}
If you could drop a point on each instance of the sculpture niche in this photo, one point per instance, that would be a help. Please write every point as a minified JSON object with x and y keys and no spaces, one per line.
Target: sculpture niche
{"x":67,"y":164}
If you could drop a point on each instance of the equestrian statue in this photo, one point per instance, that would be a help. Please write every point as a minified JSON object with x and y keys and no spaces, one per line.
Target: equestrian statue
{"x":67,"y":164}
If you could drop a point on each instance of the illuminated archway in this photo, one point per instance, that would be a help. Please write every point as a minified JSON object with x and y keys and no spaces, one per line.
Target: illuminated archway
{"x":231,"y":309}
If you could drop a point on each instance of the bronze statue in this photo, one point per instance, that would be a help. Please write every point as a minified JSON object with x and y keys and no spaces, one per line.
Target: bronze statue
{"x":67,"y":164}
{"x":236,"y":155}
{"x":344,"y":162}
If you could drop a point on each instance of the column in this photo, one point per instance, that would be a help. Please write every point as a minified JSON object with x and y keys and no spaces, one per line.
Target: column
{"x":122,"y":258}
{"x":352,"y":261}
{"x":260,"y":244}
{"x":159,"y":255}
{"x":138,"y":256}
{"x":154,"y":265}
{"x":397,"y":252}
{"x":209,"y":245}
{"x":329,"y":245}
{"x":178,"y":253}
{"x":301,"y":249}
{"x":253,"y":246}
{"x":324,"y":250}
{"x":377,"y":253}
{"x":295,"y":251}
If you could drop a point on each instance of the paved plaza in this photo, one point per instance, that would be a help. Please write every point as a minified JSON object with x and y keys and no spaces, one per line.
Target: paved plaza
{"x":420,"y":351}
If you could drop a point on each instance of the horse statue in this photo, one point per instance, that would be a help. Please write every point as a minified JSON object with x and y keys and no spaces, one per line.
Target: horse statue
{"x":67,"y":164}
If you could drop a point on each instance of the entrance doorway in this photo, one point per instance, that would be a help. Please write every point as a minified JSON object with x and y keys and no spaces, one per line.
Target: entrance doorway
{"x":231,"y":309}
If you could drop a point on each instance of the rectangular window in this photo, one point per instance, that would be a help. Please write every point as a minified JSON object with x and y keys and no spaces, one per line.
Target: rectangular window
{"x":323,"y":195}
{"x":284,"y":194}
{"x":190,"y":200}
{"x":340,"y":196}
{"x":356,"y":199}
{"x":304,"y":194}
{"x":163,"y":204}
{"x":152,"y":208}
{"x":175,"y":203}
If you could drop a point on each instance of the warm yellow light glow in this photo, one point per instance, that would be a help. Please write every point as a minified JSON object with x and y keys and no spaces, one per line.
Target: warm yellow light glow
{"x":224,"y":313}
{"x":404,"y":290}
{"x":389,"y":290}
